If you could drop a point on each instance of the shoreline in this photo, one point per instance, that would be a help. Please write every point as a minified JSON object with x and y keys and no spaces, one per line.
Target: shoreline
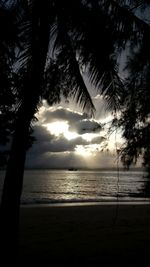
{"x":94,"y":203}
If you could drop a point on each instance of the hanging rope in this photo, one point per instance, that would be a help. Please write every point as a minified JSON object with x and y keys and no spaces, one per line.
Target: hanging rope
{"x":118,"y":178}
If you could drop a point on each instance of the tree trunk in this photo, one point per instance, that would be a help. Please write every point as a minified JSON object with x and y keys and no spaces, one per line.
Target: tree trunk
{"x":12,"y":189}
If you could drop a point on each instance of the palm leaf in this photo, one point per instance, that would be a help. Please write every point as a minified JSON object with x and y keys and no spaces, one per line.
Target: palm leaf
{"x":70,"y":68}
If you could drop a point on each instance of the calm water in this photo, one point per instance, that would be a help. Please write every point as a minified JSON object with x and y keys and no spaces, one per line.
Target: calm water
{"x":59,"y":186}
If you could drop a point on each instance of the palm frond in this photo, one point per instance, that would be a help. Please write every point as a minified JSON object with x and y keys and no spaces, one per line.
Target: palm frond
{"x":52,"y":85}
{"x":70,"y":69}
{"x":114,"y":91}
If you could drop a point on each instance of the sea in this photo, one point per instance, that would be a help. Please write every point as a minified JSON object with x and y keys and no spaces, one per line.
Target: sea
{"x":83,"y":186}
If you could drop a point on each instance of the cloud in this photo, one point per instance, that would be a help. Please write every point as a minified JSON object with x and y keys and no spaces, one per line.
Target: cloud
{"x":98,"y":140}
{"x":85,"y":126}
{"x":66,"y":160}
{"x":63,"y":114}
{"x":46,"y":142}
{"x":55,"y":151}
{"x":55,"y":160}
{"x":101,"y":106}
{"x":60,"y":113}
{"x":77,"y":122}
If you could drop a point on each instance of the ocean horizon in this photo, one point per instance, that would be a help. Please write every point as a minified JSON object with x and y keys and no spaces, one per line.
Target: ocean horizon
{"x":72,"y":186}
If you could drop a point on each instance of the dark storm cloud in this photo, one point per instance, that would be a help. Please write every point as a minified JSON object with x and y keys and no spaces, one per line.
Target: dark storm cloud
{"x":85,"y":126}
{"x":62,"y":114}
{"x":77,"y":122}
{"x":49,"y":151}
{"x":66,"y":160}
{"x":98,"y":140}
{"x":52,"y":151}
{"x":55,"y":160}
{"x":45,"y":142}
{"x":41,"y":134}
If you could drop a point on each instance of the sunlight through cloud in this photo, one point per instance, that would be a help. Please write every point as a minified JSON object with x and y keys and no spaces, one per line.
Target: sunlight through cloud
{"x":61,"y":128}
{"x":87,"y":150}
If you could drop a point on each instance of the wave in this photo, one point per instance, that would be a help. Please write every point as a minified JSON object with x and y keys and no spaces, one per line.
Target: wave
{"x":107,"y":200}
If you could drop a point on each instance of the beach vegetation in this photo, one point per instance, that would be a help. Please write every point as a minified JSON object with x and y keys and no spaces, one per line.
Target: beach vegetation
{"x":57,"y":42}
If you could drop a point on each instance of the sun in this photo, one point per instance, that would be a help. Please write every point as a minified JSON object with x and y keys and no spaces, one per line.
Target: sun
{"x":57,"y":128}
{"x":61,"y":128}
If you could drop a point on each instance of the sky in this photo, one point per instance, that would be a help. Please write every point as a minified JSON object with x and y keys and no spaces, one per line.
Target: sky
{"x":66,"y":137}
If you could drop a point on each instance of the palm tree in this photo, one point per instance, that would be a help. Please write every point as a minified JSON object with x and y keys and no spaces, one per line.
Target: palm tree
{"x":36,"y":32}
{"x":60,"y":39}
{"x":7,"y":97}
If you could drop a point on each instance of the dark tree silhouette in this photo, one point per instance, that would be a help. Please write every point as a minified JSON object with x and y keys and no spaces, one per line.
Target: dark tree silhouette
{"x":135,"y":113}
{"x":60,"y":39}
{"x":7,"y":96}
{"x":7,"y":100}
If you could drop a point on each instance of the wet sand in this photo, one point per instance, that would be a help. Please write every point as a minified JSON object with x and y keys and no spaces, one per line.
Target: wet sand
{"x":89,"y":235}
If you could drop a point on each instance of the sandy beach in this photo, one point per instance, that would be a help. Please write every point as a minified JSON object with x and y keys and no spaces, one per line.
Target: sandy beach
{"x":93,"y":235}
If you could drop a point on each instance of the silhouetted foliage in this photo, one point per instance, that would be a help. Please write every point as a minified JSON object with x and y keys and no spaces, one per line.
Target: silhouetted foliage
{"x":135,"y":112}
{"x":8,"y":34}
{"x":57,"y":41}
